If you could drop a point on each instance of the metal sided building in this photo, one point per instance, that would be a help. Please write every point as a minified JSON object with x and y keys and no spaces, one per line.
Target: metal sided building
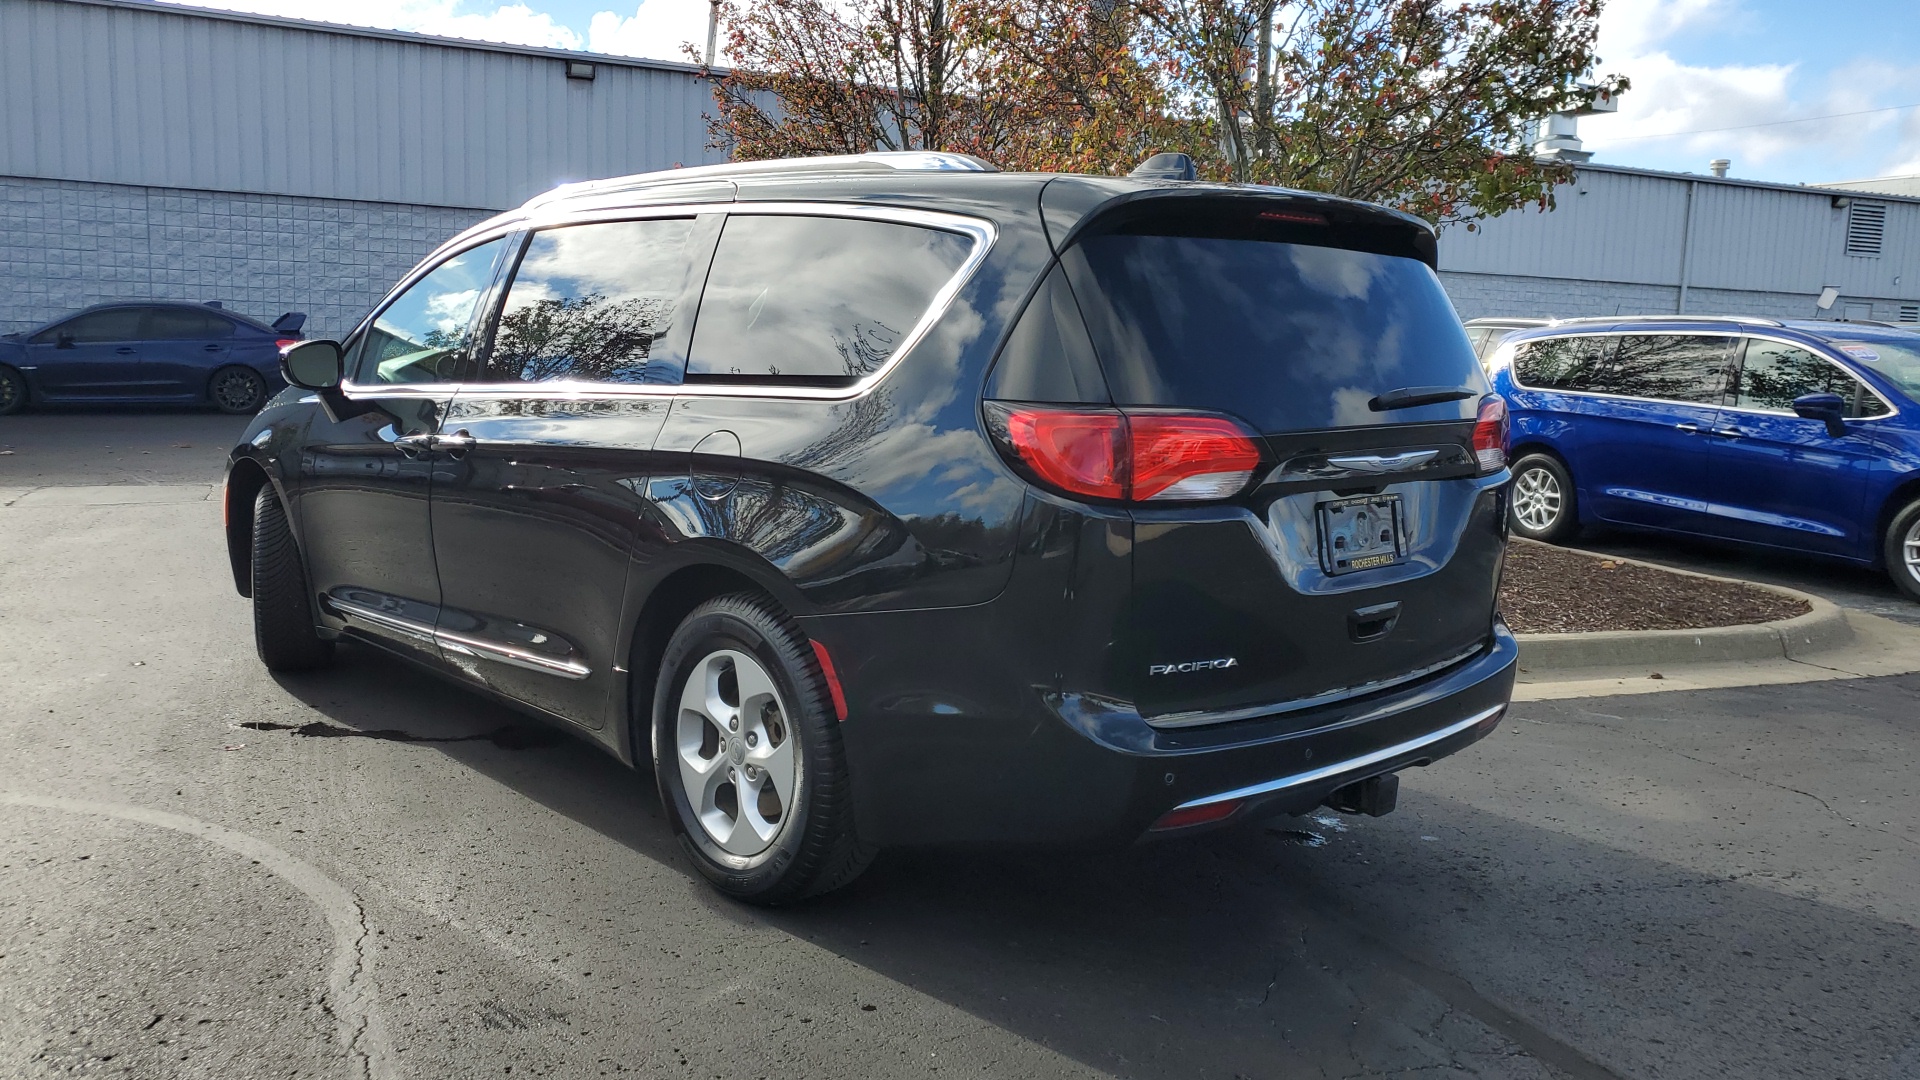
{"x":150,"y":151}
{"x":1636,"y":242}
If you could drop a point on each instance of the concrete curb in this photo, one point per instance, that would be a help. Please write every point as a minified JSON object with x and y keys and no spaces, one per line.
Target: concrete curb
{"x":1823,"y":627}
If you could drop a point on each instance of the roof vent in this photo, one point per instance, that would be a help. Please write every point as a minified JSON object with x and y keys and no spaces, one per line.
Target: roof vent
{"x":1719,"y":166}
{"x":1165,"y":167}
{"x":1866,"y":227}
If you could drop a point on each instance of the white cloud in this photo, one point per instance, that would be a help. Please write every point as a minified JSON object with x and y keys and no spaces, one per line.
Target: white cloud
{"x":513,"y":24}
{"x":1669,"y":95}
{"x":657,"y":29}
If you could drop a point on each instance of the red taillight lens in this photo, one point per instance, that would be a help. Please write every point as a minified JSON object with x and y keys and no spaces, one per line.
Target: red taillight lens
{"x":1190,"y":457}
{"x":282,"y":343}
{"x":1203,"y":814}
{"x":1490,"y":434}
{"x":1081,"y":453}
{"x":1137,"y":456}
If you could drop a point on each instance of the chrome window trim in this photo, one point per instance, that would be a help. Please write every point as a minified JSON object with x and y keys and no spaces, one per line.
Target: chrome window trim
{"x":983,"y":233}
{"x":1513,"y":347}
{"x":461,"y":643}
{"x":1328,"y":772}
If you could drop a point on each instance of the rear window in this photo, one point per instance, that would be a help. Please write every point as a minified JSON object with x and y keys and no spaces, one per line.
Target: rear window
{"x":1290,"y":337}
{"x":816,"y":300}
{"x":1568,"y":363}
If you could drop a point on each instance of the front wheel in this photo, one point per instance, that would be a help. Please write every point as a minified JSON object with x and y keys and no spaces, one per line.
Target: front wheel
{"x":283,"y":632}
{"x":1902,"y":550}
{"x":747,"y":753}
{"x":13,"y":390}
{"x":237,"y":390}
{"x":1540,"y":504}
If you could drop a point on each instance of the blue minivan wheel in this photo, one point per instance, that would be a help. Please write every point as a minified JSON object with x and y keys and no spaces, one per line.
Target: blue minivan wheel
{"x":1540,"y":503}
{"x":1902,"y":552}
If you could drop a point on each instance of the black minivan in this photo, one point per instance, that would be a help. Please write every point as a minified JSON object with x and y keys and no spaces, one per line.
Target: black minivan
{"x":891,"y":499}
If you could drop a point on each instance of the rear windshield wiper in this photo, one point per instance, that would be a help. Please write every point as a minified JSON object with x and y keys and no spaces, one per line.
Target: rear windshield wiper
{"x":1409,"y":396}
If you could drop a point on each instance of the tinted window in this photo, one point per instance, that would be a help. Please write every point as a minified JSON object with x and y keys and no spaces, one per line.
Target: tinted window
{"x":1287,"y":336}
{"x":421,"y":337}
{"x":181,"y":324}
{"x":1670,"y":367}
{"x":1048,"y":356}
{"x":590,"y":302}
{"x":113,"y":324}
{"x":1774,"y":373}
{"x":1477,"y":337}
{"x":1568,"y":363}
{"x":816,"y":299}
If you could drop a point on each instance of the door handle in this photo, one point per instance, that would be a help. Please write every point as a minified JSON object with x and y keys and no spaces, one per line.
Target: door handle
{"x":1730,"y":433}
{"x":212,"y":348}
{"x":414,"y":445}
{"x":124,"y":351}
{"x":1691,"y":429}
{"x":455,"y":444}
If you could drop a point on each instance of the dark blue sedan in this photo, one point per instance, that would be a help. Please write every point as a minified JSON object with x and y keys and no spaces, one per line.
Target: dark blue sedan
{"x":185,"y":354}
{"x":1797,"y":435}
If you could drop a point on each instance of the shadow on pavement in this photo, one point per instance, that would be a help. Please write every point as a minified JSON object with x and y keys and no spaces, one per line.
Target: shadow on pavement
{"x":1319,"y":946}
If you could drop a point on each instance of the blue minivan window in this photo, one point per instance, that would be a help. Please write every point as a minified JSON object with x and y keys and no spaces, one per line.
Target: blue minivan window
{"x":1899,"y":364}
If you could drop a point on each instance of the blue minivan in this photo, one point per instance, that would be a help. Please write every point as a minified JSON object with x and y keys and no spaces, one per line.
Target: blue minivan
{"x":1794,"y":435}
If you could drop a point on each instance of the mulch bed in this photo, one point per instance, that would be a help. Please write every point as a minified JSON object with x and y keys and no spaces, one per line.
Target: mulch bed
{"x":1550,"y":590}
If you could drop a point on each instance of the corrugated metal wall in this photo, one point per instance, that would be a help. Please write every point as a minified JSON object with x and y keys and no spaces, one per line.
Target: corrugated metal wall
{"x":130,"y":94}
{"x":1630,"y":227}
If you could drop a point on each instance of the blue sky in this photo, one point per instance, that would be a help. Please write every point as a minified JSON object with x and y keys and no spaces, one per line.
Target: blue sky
{"x":1723,"y":73}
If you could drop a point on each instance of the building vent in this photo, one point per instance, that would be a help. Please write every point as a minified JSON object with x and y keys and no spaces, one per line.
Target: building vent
{"x":1910,"y":313}
{"x":1866,"y":225}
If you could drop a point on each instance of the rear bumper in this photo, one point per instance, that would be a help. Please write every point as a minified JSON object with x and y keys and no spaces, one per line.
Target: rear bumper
{"x":942,"y":750}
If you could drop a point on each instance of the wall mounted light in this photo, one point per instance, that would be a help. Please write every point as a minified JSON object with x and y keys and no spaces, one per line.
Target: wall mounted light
{"x":579,"y":69}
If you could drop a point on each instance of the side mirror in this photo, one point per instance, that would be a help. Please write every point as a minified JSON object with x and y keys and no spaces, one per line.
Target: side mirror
{"x":1828,"y":407}
{"x":312,"y":365}
{"x":63,"y":341}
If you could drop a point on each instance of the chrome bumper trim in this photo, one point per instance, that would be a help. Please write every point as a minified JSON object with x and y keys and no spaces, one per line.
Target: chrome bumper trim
{"x":1327,"y":772}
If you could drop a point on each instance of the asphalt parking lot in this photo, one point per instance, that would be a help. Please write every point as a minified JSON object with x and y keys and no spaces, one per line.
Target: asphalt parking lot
{"x":1676,"y":885}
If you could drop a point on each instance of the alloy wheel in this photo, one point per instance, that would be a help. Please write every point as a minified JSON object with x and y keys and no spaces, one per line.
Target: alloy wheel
{"x":736,"y":752}
{"x":237,"y":390}
{"x":1537,"y":499}
{"x":1910,"y":550}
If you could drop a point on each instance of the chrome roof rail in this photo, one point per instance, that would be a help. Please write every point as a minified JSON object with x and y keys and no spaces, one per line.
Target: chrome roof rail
{"x":879,"y":161}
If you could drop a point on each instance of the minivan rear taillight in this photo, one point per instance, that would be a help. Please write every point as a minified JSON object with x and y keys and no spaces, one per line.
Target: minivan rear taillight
{"x":1490,"y":434}
{"x":1135,"y":455}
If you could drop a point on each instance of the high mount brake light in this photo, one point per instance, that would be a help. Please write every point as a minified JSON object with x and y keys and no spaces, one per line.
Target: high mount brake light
{"x":1490,"y":434}
{"x":1139,"y":456}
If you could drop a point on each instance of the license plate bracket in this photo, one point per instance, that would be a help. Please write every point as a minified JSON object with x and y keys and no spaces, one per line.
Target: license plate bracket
{"x":1361,"y":534}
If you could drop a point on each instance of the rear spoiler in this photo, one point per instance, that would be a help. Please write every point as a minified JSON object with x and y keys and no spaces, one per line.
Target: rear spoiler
{"x":291,"y":322}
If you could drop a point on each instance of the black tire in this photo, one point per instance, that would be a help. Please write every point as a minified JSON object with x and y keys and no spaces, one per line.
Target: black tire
{"x":283,"y":632}
{"x":1901,"y":550}
{"x":13,"y":390}
{"x":237,"y":390}
{"x":815,"y":848}
{"x":1541,"y":500}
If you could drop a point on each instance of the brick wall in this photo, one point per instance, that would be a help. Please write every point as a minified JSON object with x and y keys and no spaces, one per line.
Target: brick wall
{"x":1478,"y":295}
{"x":66,"y":244}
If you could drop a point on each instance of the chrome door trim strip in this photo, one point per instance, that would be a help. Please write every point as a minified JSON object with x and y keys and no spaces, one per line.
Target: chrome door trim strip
{"x":983,"y":232}
{"x":461,"y":643}
{"x":507,"y":654}
{"x":1327,"y":772}
{"x":380,"y":618}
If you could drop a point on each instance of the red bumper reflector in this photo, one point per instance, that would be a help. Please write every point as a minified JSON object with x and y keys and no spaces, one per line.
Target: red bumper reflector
{"x":833,"y":680}
{"x":1205,"y":813}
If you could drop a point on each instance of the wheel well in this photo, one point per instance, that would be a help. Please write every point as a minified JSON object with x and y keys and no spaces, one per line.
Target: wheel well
{"x":25,"y":392}
{"x":1899,"y":500}
{"x":669,"y":604}
{"x":1524,"y":449}
{"x":244,"y":482}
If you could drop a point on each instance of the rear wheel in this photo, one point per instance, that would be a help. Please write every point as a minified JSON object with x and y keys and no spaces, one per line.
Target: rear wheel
{"x":1540,"y":504}
{"x":283,"y":632}
{"x":13,"y":390}
{"x":747,"y":753}
{"x":1902,"y":550}
{"x":237,"y":390}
